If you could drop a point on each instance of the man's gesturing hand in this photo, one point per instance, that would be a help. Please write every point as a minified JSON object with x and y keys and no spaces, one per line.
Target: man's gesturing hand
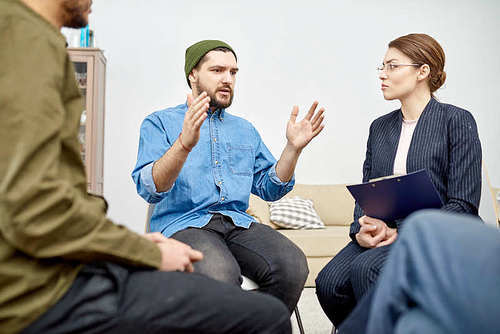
{"x":196,"y":114}
{"x":299,"y":134}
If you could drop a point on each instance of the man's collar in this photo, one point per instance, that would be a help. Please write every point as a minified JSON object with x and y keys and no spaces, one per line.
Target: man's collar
{"x":220,"y":114}
{"x":217,"y":113}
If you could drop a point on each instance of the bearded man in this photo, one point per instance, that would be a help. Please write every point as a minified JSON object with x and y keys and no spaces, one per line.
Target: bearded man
{"x":198,"y":164}
{"x":65,"y":267}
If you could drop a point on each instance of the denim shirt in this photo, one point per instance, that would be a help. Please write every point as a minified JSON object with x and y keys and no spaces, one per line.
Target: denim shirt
{"x":228,"y":162}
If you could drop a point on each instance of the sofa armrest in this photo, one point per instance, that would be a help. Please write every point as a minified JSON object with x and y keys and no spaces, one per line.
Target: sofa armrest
{"x":259,"y":209}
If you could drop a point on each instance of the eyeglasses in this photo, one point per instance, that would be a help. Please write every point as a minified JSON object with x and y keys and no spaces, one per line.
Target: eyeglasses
{"x":390,"y":67}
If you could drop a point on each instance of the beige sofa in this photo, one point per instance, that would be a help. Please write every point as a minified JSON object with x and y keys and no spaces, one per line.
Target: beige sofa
{"x":334,"y":205}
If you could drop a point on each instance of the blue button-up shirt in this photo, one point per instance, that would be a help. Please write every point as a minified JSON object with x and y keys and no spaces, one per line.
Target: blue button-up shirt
{"x":229,"y":161}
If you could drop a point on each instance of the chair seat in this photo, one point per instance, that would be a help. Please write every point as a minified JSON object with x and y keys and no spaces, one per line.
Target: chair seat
{"x":248,"y":284}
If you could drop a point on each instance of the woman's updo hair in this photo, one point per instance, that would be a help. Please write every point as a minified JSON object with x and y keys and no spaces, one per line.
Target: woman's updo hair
{"x":423,"y":49}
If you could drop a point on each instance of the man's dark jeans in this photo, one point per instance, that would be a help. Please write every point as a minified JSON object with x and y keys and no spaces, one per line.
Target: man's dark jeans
{"x":260,"y":253}
{"x":108,"y":298}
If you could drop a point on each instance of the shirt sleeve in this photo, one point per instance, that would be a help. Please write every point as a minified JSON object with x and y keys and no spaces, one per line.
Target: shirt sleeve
{"x":153,"y":144}
{"x":43,"y":213}
{"x":266,"y":183}
{"x":464,"y":177}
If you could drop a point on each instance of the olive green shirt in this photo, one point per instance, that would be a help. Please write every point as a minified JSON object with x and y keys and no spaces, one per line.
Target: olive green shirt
{"x":49,"y":225}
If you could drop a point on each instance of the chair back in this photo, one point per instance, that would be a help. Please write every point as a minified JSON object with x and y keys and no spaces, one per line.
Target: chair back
{"x":488,"y":207}
{"x":151,"y":208}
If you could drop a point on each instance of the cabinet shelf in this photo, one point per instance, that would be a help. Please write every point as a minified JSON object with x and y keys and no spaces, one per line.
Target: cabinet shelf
{"x":90,"y":75}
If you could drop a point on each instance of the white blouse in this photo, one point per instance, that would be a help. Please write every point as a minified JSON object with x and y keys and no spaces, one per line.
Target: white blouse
{"x":407,"y":129}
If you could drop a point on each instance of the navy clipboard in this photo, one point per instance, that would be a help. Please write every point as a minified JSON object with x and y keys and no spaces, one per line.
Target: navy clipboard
{"x":397,"y":197}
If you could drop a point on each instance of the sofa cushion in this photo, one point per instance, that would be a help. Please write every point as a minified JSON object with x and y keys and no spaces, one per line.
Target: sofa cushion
{"x":317,"y":243}
{"x":295,"y":213}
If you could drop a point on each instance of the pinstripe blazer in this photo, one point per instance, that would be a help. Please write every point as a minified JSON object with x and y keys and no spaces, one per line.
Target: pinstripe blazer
{"x":445,"y":143}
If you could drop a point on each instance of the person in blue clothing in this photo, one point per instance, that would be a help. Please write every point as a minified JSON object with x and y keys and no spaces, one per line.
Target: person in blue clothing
{"x":199,"y":164}
{"x":440,"y":277}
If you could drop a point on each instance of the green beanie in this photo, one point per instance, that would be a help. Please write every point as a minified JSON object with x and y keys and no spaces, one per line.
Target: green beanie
{"x":196,"y":51}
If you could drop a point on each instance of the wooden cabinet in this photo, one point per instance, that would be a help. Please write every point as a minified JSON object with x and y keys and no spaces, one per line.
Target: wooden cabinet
{"x":90,"y":68}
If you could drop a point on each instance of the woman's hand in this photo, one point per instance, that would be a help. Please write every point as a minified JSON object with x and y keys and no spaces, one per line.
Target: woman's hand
{"x":391,"y":236}
{"x":375,"y":233}
{"x":372,"y":232}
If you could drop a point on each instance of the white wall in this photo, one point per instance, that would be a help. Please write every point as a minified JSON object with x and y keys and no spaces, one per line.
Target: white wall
{"x":289,"y":52}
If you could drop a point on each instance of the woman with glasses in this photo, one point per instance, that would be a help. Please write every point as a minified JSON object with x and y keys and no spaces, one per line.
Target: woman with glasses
{"x":423,"y":134}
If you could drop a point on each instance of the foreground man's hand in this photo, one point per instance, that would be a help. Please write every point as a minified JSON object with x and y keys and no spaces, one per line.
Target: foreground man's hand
{"x":175,"y":255}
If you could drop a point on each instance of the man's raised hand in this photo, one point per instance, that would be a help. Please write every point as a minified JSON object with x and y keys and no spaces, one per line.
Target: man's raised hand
{"x":195,"y":115}
{"x":299,"y":134}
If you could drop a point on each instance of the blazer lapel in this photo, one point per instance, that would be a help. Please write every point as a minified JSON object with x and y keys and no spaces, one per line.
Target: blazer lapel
{"x":426,"y":122}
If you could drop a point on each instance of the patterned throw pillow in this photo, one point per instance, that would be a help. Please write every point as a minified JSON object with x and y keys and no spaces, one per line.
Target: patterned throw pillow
{"x":295,"y":213}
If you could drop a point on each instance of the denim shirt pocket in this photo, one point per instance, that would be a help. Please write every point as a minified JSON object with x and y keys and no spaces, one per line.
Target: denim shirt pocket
{"x":241,"y":159}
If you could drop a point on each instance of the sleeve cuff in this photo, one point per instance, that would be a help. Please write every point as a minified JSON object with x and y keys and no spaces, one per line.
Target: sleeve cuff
{"x":353,"y":230}
{"x":149,"y":184}
{"x":276,"y":180}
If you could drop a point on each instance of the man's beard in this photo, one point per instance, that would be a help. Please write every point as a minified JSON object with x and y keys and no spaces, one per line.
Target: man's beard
{"x":214,"y":102}
{"x":73,"y":13}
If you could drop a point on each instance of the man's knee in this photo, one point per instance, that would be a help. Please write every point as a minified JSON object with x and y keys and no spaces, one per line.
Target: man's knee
{"x":292,"y":266}
{"x":218,"y":262}
{"x":427,"y":227}
{"x":220,"y":270}
{"x":301,"y":268}
{"x":425,"y":221}
{"x":436,"y":222}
